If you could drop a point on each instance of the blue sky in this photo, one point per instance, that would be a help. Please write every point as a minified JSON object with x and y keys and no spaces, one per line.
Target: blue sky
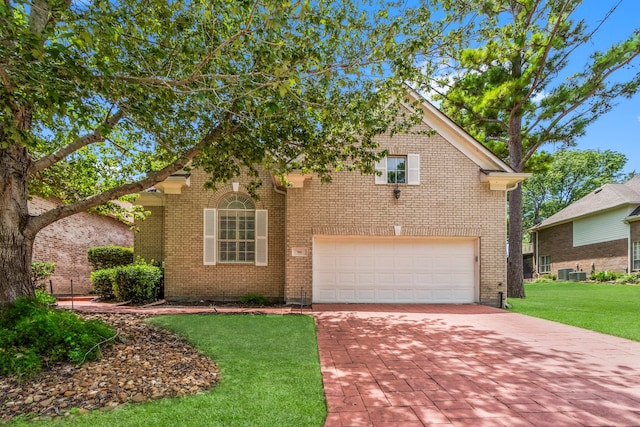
{"x":618,"y":130}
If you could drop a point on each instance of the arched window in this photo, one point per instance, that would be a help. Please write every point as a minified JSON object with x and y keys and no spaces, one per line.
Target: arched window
{"x":236,"y":229}
{"x":235,"y":232}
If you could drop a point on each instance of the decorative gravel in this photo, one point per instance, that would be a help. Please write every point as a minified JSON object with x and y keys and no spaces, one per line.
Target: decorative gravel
{"x":144,"y":363}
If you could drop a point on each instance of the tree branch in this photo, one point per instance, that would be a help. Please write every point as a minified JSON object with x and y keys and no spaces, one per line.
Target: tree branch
{"x":580,"y":101}
{"x":547,"y":50}
{"x":74,"y":146}
{"x":36,"y":223}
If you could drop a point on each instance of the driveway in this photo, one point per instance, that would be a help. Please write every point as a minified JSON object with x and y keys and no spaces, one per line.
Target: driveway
{"x":469,"y":365}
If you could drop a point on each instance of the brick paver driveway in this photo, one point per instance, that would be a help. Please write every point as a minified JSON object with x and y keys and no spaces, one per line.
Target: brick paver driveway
{"x":471,"y":365}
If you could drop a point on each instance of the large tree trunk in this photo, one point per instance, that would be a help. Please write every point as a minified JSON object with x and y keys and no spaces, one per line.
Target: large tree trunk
{"x":16,"y":239}
{"x":515,"y":265}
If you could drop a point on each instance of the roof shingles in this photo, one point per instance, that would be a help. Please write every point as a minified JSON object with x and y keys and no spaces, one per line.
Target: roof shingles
{"x":607,"y":197}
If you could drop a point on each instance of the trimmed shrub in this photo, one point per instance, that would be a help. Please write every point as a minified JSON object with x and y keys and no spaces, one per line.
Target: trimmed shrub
{"x":32,"y":335}
{"x":545,"y":278}
{"x":137,"y":283}
{"x":40,"y":272}
{"x":109,"y":256}
{"x":102,"y":281}
{"x":605,"y":276}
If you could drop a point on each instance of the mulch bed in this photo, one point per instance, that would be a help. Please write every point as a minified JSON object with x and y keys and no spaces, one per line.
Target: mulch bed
{"x":147,"y":363}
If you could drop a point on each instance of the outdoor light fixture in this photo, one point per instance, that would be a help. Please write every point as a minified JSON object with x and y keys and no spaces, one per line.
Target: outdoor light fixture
{"x":396,"y":192}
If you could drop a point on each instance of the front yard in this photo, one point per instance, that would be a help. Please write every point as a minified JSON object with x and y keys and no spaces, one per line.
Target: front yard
{"x":607,"y":308}
{"x":269,"y":376}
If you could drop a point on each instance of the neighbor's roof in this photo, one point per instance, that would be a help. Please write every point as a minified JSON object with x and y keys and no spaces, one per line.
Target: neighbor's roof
{"x":604,"y":198}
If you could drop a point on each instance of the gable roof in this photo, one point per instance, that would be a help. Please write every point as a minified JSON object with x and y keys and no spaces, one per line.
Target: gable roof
{"x":458,"y":137}
{"x":604,"y":198}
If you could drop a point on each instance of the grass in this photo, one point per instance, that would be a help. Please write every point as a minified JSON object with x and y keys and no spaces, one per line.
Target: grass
{"x":606,"y":308}
{"x":270,"y":376}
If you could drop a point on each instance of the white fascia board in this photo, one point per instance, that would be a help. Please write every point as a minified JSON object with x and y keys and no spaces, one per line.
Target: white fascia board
{"x":503,"y":181}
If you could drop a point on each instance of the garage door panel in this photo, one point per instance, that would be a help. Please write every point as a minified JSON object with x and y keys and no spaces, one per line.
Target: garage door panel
{"x":346,"y":295}
{"x":365,"y":295}
{"x":357,"y":269}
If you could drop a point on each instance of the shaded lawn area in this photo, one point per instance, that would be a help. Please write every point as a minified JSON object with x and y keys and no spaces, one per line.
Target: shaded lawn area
{"x":270,"y":376}
{"x":606,"y":308}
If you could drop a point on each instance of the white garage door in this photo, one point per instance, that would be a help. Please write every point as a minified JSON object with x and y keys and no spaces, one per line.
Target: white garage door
{"x":393,"y":270}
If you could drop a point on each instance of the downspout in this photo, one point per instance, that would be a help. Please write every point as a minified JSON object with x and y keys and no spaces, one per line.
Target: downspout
{"x":277,"y":190}
{"x":286,"y":231}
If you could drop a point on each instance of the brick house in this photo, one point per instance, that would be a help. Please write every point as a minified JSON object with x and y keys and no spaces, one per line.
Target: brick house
{"x":601,"y":231}
{"x":65,"y":243}
{"x":431,"y":228}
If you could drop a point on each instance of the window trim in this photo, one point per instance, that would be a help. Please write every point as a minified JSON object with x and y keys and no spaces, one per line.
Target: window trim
{"x":412,"y":170}
{"x":236,"y":215}
{"x":210,"y":239}
{"x":542,"y":264}
{"x":635,"y":256}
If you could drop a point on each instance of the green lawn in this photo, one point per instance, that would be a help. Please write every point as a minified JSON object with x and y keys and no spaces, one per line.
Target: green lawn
{"x":270,"y":376}
{"x":610,"y":309}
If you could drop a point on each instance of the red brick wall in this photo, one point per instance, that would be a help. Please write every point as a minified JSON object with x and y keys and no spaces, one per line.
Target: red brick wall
{"x":66,"y":242}
{"x":558,"y":243}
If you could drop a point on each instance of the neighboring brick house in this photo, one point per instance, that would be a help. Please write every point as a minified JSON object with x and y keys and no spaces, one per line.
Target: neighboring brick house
{"x":65,"y":243}
{"x":601,"y":231}
{"x":431,"y":228}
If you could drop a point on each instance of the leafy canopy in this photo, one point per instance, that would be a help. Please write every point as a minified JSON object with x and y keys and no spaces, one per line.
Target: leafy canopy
{"x":506,"y":78}
{"x":104,"y":94}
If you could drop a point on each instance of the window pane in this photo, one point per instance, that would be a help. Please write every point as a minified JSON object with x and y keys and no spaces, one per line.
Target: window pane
{"x":396,"y":167}
{"x":236,"y":231}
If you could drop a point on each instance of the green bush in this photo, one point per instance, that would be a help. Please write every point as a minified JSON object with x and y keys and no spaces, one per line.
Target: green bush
{"x":40,"y":272}
{"x":605,"y":276}
{"x":255,"y":299}
{"x":109,"y":256}
{"x":137,"y":283}
{"x":632,"y":278}
{"x":32,"y":335}
{"x":102,"y":281}
{"x":44,"y":297}
{"x":545,"y":278}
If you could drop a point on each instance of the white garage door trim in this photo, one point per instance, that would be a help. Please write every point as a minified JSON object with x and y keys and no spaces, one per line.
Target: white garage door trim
{"x":396,"y":269}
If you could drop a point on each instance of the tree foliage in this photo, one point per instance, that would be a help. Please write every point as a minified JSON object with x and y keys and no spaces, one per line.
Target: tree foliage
{"x":504,"y":78}
{"x":572,"y":174}
{"x":102,"y":99}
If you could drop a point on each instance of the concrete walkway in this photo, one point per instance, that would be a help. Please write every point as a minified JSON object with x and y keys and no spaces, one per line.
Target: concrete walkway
{"x":470,"y":365}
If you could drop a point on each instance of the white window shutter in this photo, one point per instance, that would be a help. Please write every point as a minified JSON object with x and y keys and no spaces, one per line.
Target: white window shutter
{"x":413,"y":169}
{"x":210,"y":226}
{"x":262,"y":242}
{"x":381,"y":166}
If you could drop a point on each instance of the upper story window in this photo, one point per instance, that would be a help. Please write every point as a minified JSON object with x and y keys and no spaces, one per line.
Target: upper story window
{"x":396,"y":169}
{"x":235,"y":232}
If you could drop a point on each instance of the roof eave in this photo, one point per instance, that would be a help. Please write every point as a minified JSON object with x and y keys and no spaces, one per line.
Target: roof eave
{"x":503,"y":181}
